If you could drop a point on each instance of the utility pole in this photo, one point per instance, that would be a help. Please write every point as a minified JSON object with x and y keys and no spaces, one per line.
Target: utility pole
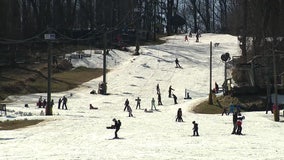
{"x":48,"y":108}
{"x":210,"y":101}
{"x":275,"y":105}
{"x":104,"y":65}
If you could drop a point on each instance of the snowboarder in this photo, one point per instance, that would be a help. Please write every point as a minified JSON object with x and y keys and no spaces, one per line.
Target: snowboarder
{"x":64,"y":102}
{"x":239,"y":123}
{"x":175,"y":99}
{"x":195,"y":128}
{"x":59,"y":102}
{"x":179,"y":116}
{"x":153,"y":104}
{"x":138,"y":100}
{"x":159,"y":99}
{"x":177,"y":63}
{"x":126,"y":104}
{"x":235,"y":117}
{"x":170,"y":91}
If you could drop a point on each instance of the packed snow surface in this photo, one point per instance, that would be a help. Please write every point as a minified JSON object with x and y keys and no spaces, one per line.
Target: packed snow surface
{"x":80,"y":133}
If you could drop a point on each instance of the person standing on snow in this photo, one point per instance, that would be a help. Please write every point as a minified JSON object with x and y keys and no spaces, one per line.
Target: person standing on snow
{"x":138,"y":100}
{"x":235,"y":117}
{"x":64,"y":102}
{"x":170,"y":91}
{"x":59,"y":103}
{"x":195,"y":129}
{"x":232,"y":108}
{"x":179,"y":116}
{"x":239,"y":123}
{"x":153,"y":104}
{"x":116,"y":126}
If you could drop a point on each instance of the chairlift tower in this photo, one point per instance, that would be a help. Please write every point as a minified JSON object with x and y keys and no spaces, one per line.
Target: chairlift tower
{"x":49,"y":37}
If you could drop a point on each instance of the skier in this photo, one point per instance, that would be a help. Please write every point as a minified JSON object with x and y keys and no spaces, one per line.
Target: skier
{"x":175,"y":99}
{"x":232,"y":108}
{"x":153,"y":104}
{"x":197,"y":35}
{"x":126,"y":104}
{"x":59,"y":102}
{"x":64,"y":102}
{"x":224,"y":111}
{"x":195,"y":129}
{"x":116,"y":126}
{"x":159,"y":99}
{"x":129,"y":110}
{"x":158,"y":88}
{"x":44,"y":103}
{"x":185,"y":38}
{"x":170,"y":91}
{"x":239,"y":123}
{"x":138,"y":100}
{"x":177,"y":63}
{"x":179,"y":116}
{"x":235,"y":117}
{"x":39,"y":103}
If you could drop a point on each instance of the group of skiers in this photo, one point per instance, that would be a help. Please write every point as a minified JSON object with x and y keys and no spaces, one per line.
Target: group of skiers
{"x":153,"y":102}
{"x":62,"y":100}
{"x":198,"y":34}
{"x":43,"y":103}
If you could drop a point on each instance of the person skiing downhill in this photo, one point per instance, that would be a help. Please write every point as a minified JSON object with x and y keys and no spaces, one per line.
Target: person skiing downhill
{"x":175,"y":99}
{"x":177,"y":63}
{"x":126,"y":104}
{"x":159,"y":99}
{"x":170,"y":91}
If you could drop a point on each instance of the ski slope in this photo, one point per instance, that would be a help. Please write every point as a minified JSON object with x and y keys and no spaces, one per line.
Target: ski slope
{"x":80,"y":133}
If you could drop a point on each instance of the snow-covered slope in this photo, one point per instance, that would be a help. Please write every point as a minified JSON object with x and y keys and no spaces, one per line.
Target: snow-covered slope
{"x":80,"y":133}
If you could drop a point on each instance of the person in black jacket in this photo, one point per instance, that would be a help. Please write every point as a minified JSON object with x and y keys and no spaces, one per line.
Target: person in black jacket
{"x":175,"y":99}
{"x":117,"y":125}
{"x":179,"y":116}
{"x":195,"y":128}
{"x":235,"y":117}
